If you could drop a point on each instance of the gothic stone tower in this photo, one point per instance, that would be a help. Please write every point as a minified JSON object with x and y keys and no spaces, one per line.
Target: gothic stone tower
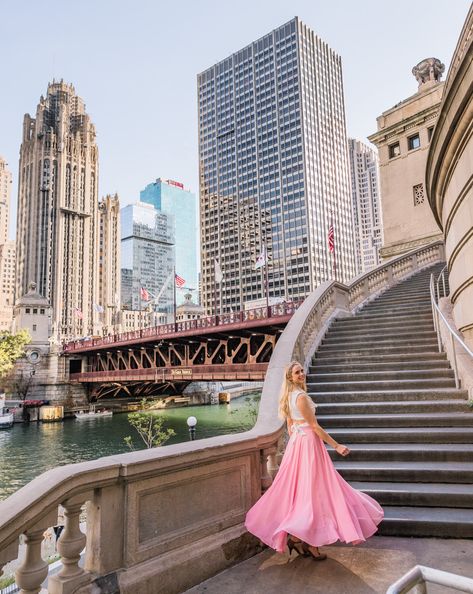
{"x":58,"y":211}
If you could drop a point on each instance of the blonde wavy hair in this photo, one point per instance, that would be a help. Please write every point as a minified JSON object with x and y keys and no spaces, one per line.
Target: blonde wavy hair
{"x":287,"y":387}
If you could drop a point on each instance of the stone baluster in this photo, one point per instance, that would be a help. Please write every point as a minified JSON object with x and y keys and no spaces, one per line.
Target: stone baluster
{"x":34,"y":569}
{"x":272,"y":462}
{"x":70,"y":545}
{"x":266,"y":478}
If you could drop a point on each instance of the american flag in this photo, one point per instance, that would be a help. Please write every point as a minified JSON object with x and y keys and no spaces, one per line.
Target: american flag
{"x":180,"y":282}
{"x":144,"y":294}
{"x":331,"y":239}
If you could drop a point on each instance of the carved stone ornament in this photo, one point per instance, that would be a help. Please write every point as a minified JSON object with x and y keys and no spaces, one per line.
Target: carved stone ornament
{"x":430,"y":69}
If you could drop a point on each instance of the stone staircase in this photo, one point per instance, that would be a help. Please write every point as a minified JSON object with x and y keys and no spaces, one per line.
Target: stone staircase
{"x":383,"y":389}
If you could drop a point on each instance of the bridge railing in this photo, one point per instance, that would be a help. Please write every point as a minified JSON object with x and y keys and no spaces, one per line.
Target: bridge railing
{"x":164,"y":519}
{"x":260,"y":313}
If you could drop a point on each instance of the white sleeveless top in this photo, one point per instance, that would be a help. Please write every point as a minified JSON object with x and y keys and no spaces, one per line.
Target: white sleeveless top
{"x":293,"y":410}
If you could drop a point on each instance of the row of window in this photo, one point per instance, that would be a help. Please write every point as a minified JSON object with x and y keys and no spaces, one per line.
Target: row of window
{"x":413,"y":142}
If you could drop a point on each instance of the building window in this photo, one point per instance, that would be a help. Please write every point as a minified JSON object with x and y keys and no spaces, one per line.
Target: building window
{"x":41,"y":311}
{"x":413,"y":142}
{"x":394,"y":150}
{"x":34,"y":327}
{"x":430,"y":131}
{"x":418,"y":192}
{"x":27,"y":310}
{"x":35,"y":311}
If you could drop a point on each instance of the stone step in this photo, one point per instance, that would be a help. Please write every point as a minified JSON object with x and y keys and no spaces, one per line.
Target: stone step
{"x":335,"y":367}
{"x":366,"y":317}
{"x":427,"y":521}
{"x":389,"y":346}
{"x":388,"y":395}
{"x":333,"y":357}
{"x":407,"y":452}
{"x":403,"y":435}
{"x":386,"y":336}
{"x":402,"y":299}
{"x":377,"y":385}
{"x":372,"y":310}
{"x":419,"y":420}
{"x":449,"y":495}
{"x":394,"y":407}
{"x":403,"y":472}
{"x":376,"y":308}
{"x":345,"y":376}
{"x":379,"y":329}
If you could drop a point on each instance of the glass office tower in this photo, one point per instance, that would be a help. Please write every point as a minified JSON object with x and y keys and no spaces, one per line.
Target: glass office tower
{"x":147,"y":257}
{"x":274,"y":171}
{"x":171,"y":197}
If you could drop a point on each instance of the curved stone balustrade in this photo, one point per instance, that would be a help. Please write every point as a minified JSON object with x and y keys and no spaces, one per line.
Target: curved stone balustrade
{"x":162,"y":520}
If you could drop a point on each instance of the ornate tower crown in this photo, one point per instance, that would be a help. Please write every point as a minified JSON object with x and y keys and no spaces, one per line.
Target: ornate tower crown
{"x":428,"y":70}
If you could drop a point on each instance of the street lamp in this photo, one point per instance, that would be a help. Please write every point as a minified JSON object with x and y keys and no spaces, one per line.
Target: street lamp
{"x":191,"y":423}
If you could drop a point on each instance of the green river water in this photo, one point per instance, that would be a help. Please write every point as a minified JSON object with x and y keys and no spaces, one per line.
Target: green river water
{"x":28,"y":450}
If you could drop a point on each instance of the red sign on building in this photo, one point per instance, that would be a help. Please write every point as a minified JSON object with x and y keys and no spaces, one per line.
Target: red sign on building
{"x":171,"y":182}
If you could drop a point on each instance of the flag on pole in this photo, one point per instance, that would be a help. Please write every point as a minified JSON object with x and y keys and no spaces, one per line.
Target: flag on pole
{"x":180,"y":282}
{"x":261,"y":260}
{"x":144,"y":294}
{"x":98,"y":308}
{"x":331,"y":239}
{"x":78,"y":313}
{"x":218,"y":272}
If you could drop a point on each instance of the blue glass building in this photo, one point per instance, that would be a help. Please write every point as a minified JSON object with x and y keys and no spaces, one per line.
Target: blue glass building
{"x":171,"y":197}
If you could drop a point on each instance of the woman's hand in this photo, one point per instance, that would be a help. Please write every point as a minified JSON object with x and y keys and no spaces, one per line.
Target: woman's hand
{"x":342,"y":450}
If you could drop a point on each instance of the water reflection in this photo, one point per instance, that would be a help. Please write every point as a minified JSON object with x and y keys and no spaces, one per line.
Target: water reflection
{"x":28,"y":450}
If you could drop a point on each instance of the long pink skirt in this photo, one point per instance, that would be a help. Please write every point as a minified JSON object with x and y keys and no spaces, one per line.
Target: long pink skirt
{"x":310,"y":500}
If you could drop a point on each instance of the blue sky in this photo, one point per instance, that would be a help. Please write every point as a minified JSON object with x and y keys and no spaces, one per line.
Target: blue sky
{"x":135,"y":66}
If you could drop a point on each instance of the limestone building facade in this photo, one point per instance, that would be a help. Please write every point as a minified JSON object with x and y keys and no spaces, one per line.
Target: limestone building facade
{"x":449,"y":178}
{"x":108,"y":306}
{"x":5,"y":196}
{"x":364,"y":170}
{"x":403,"y":138}
{"x":274,"y":172}
{"x":57,"y":221}
{"x":7,"y":251}
{"x":7,"y":283}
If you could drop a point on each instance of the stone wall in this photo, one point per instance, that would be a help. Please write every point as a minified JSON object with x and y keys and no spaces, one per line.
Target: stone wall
{"x":449,"y":179}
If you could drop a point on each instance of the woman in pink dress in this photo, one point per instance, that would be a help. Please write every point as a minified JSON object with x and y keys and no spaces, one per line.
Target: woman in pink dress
{"x":309,"y":504}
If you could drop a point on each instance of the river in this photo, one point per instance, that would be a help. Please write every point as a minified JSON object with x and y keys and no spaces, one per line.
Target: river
{"x":28,"y":450}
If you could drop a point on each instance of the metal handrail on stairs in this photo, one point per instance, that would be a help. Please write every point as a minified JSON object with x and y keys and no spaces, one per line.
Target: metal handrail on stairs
{"x":419,"y":576}
{"x":454,"y":336}
{"x":441,"y":276}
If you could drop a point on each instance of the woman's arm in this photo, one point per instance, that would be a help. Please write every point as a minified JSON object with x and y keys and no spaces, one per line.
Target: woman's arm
{"x":306,"y":411}
{"x":289,"y":424}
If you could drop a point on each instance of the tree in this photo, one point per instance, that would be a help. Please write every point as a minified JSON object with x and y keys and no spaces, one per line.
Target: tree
{"x":12,"y":347}
{"x":149,"y":426}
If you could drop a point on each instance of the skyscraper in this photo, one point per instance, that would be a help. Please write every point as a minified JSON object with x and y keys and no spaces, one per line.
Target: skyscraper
{"x":7,"y":250}
{"x":108,"y":305}
{"x":274,"y":173}
{"x":364,"y":168}
{"x":171,"y":197}
{"x":58,"y":210}
{"x":147,"y":258}
{"x":5,"y":194}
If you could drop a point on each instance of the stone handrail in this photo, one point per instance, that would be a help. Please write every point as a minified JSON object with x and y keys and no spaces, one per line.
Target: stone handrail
{"x":164,"y":519}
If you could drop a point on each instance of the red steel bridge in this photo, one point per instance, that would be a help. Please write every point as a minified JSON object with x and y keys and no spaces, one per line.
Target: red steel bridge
{"x":164,"y":359}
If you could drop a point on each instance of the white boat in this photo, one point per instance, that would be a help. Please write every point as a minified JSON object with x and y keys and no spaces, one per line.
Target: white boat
{"x":92,"y":413}
{"x":6,"y":419}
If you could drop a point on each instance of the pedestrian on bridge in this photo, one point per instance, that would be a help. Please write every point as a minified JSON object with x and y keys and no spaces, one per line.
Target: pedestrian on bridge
{"x":309,"y":504}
